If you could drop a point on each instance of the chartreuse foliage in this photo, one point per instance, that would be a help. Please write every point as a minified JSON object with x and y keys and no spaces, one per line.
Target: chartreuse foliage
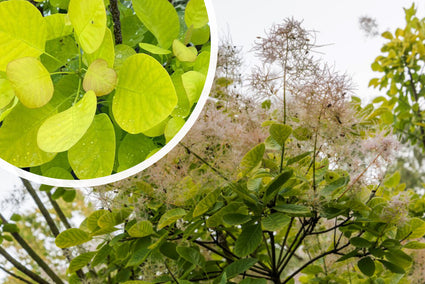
{"x":249,"y":230}
{"x":401,"y":62}
{"x":76,"y":94}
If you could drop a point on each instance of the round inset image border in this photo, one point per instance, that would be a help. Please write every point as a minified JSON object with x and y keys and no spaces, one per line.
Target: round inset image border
{"x":155,"y":157}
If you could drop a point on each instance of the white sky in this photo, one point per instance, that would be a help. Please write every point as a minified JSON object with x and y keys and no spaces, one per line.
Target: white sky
{"x":336,"y":22}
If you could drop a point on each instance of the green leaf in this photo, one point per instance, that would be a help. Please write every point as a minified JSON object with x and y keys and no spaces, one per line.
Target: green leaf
{"x":58,"y":25}
{"x":170,"y":217}
{"x":93,"y":155}
{"x":191,"y":255}
{"x":236,"y":219}
{"x":107,"y":220}
{"x":31,"y":81}
{"x":217,"y":218}
{"x":398,"y":257}
{"x":297,"y":158}
{"x":414,"y":245}
{"x":360,"y":242}
{"x":106,"y":51}
{"x":200,"y":36}
{"x":193,"y":83}
{"x":202,"y":62}
{"x":63,"y":130}
{"x":351,"y":254}
{"x":141,"y":229}
{"x":206,"y":203}
{"x":144,"y":96}
{"x":133,"y":31}
{"x":69,"y":195}
{"x":154,"y":49}
{"x":183,"y":53}
{"x":280,"y":132}
{"x":23,"y":31}
{"x":302,"y":133}
{"x":141,"y":252}
{"x":10,"y":228}
{"x":80,"y":261}
{"x":183,"y":105}
{"x":313,"y":269}
{"x":392,"y":267}
{"x":160,"y":18}
{"x":101,"y":255}
{"x":196,"y":14}
{"x":330,"y":188}
{"x":89,"y":21}
{"x":7,"y":94}
{"x":173,"y":127}
{"x":275,"y":221}
{"x":249,"y":239}
{"x":15,"y":217}
{"x":72,"y":237}
{"x":292,"y":209}
{"x":122,"y":52}
{"x":93,"y":218}
{"x":61,"y":51}
{"x":157,"y":130}
{"x":133,"y":150}
{"x":99,"y":78}
{"x":239,"y":266}
{"x":252,"y":159}
{"x":273,"y":187}
{"x":418,"y":228}
{"x":249,"y":280}
{"x":366,"y":266}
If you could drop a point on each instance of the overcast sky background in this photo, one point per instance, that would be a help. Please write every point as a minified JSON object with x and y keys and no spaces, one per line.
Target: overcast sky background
{"x":336,"y":23}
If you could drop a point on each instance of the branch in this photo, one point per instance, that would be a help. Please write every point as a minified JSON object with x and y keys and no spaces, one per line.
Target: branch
{"x":313,"y":260}
{"x":53,"y":228}
{"x":22,"y":268}
{"x":59,"y":211}
{"x":342,"y":224}
{"x":115,"y":12}
{"x":15,"y":276}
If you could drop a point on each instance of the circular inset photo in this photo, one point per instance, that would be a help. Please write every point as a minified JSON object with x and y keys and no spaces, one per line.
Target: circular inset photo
{"x":93,"y":91}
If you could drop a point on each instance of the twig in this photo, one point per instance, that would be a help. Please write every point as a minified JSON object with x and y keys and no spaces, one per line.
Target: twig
{"x":115,"y":12}
{"x":15,"y":276}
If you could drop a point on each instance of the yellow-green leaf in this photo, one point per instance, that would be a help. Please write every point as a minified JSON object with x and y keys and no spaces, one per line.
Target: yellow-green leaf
{"x":6,"y":92}
{"x":61,"y":131}
{"x":157,"y":130}
{"x":154,"y":49}
{"x":170,"y":217}
{"x":106,"y":51}
{"x":173,"y":127}
{"x":72,"y":237}
{"x":133,"y":150}
{"x":122,"y":52}
{"x":252,"y":159}
{"x":22,"y":31}
{"x":196,"y":14}
{"x":58,"y":25}
{"x":160,"y":18}
{"x":182,"y":52}
{"x":141,"y":229}
{"x":193,"y":83}
{"x":80,"y":261}
{"x":89,"y":21}
{"x":145,"y":94}
{"x":99,"y":78}
{"x":94,"y":154}
{"x":31,"y":81}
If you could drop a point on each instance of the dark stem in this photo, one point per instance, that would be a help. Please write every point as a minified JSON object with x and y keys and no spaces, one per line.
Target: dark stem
{"x":313,"y":260}
{"x":22,"y":268}
{"x":115,"y":12}
{"x":59,"y":211}
{"x":15,"y":276}
{"x":33,"y":255}
{"x":53,"y":228}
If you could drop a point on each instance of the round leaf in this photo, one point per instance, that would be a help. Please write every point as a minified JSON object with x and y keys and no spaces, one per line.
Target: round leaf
{"x":58,"y":25}
{"x":196,"y":14}
{"x":141,"y":229}
{"x":122,"y":52}
{"x":72,"y":237}
{"x":31,"y":81}
{"x":22,"y":31}
{"x":106,"y":51}
{"x":89,"y":21}
{"x":133,"y":150}
{"x":99,"y":78}
{"x":182,"y":52}
{"x":145,"y":94}
{"x":366,"y":266}
{"x":173,"y":127}
{"x":154,"y":49}
{"x":161,"y":19}
{"x":193,"y":83}
{"x":6,"y":92}
{"x":61,"y":131}
{"x":94,"y":154}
